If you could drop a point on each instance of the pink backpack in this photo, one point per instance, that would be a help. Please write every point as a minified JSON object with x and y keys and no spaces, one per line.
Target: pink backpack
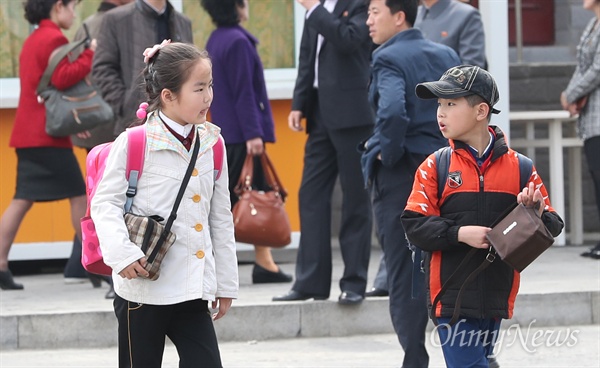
{"x":91,"y":256}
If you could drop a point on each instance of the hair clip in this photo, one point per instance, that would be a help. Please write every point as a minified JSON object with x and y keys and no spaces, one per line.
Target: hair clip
{"x":141,"y":112}
{"x":149,"y":52}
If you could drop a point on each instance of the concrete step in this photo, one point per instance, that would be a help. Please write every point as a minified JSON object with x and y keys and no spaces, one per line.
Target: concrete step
{"x":559,"y":289}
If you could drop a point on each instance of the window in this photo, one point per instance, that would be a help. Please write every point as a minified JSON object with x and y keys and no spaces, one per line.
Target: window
{"x":276,"y":23}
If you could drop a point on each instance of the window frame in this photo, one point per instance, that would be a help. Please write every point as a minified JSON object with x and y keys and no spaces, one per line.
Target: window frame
{"x":280,"y":81}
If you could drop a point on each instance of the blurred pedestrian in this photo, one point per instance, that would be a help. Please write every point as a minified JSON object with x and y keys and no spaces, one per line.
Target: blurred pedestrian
{"x":582,"y":96}
{"x":47,"y":169}
{"x":331,"y":93}
{"x":241,"y":108}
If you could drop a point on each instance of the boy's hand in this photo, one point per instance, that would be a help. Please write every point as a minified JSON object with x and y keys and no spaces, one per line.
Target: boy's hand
{"x":529,"y":197}
{"x":474,"y":236}
{"x":224,"y":304}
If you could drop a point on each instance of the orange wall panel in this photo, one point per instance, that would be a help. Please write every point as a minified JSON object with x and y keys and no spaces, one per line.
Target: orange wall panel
{"x":50,"y":222}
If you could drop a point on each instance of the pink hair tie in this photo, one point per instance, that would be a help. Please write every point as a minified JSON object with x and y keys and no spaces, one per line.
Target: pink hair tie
{"x":141,"y":112}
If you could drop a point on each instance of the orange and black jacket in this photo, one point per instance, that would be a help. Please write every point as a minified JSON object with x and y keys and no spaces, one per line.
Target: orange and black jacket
{"x":471,"y":196}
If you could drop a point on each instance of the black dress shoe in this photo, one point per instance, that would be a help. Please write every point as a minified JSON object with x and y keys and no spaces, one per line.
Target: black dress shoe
{"x":7,"y":282}
{"x":593,"y":253}
{"x":376,"y":292}
{"x":261,"y":275}
{"x":350,"y":298}
{"x":294,"y":295}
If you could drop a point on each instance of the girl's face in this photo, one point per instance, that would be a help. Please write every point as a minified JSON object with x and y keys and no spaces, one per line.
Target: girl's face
{"x":64,"y":14}
{"x":191,"y":105}
{"x":243,"y":12}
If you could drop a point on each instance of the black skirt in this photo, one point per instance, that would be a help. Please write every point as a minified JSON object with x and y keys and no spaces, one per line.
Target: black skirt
{"x":48,"y":174}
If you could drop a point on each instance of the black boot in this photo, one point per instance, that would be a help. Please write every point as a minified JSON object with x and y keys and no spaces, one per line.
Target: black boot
{"x":7,"y":282}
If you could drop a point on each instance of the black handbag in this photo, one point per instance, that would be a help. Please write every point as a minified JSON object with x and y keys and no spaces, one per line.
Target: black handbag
{"x":76,"y":109}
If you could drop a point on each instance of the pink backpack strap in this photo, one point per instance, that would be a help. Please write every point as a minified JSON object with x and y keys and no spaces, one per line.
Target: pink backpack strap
{"x":136,"y":152}
{"x":218,"y":153}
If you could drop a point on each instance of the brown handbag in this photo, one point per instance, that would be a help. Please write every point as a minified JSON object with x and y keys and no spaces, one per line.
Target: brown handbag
{"x":259,"y":217}
{"x":520,"y":237}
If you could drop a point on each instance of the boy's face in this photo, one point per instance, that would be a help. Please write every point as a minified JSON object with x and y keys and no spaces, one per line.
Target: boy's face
{"x":383,"y":25}
{"x":458,"y":120}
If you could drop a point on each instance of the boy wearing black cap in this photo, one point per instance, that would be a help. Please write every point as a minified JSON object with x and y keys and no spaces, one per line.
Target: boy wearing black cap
{"x":483,"y":181}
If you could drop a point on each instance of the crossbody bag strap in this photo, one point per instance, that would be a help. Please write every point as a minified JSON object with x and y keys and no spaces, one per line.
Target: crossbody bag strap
{"x":442,"y":291}
{"x":173,"y":215}
{"x":63,"y":51}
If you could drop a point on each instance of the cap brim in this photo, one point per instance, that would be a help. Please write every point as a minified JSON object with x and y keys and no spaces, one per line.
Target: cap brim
{"x":439,"y":89}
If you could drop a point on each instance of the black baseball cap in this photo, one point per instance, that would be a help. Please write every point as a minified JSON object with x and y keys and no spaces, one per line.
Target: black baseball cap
{"x":460,"y":81}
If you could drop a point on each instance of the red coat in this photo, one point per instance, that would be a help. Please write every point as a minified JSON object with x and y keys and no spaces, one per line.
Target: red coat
{"x":29,"y":128}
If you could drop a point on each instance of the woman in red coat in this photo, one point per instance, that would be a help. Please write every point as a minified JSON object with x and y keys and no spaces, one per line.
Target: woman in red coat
{"x":47,"y":169}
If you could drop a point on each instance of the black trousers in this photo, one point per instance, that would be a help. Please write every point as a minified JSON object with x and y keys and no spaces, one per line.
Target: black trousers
{"x":591,"y":148}
{"x":143,"y":328}
{"x":389,"y":192}
{"x":330,"y":153}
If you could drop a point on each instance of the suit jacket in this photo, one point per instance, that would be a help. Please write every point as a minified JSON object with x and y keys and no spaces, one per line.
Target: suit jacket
{"x":586,"y":81}
{"x":404,"y":122}
{"x":343,"y":66}
{"x":240,"y":105}
{"x":125,"y":33}
{"x":457,"y":25}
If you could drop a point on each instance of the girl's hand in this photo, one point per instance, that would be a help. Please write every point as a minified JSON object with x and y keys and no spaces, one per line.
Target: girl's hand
{"x":135,"y":269}
{"x":224,"y":304}
{"x":474,"y":236}
{"x":529,"y":197}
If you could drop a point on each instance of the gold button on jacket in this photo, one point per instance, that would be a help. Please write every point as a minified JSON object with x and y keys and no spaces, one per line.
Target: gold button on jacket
{"x":198,"y":227}
{"x":195,"y":172}
{"x":200,"y":254}
{"x":196,"y":198}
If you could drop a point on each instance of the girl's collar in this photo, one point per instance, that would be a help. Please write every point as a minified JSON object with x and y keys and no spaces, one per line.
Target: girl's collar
{"x":182,"y":130}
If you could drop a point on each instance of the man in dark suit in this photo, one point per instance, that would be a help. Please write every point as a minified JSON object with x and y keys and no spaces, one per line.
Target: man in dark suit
{"x":331,"y":93}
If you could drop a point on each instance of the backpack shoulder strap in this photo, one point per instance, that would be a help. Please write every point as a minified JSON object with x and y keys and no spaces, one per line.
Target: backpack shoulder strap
{"x":136,"y":152}
{"x":442,"y":163}
{"x":218,"y":155}
{"x":525,"y":169}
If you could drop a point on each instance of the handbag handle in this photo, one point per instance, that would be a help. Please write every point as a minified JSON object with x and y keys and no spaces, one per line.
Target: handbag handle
{"x":247,"y":174}
{"x":54,"y":60}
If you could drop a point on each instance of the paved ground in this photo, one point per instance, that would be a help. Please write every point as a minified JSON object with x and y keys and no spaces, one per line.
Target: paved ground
{"x":560,"y":269}
{"x":576,"y":346}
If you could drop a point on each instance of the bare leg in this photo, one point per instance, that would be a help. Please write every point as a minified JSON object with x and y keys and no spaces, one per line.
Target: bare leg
{"x":264,"y":258}
{"x":78,"y":207}
{"x":9,"y":225}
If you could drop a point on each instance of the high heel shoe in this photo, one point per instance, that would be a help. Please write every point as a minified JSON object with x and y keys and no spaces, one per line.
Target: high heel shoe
{"x":7,"y":282}
{"x":261,"y":275}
